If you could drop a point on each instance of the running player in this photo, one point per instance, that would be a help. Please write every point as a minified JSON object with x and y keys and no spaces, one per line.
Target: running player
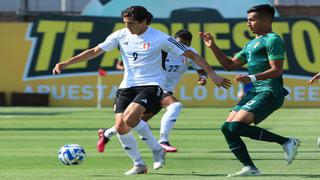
{"x":140,"y":90}
{"x":175,"y":66}
{"x":264,"y":56}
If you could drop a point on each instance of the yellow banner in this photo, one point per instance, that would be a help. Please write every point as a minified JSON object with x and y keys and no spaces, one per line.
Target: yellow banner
{"x":30,"y":50}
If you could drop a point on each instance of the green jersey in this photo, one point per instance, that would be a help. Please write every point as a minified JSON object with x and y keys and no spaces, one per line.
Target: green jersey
{"x":257,"y":54}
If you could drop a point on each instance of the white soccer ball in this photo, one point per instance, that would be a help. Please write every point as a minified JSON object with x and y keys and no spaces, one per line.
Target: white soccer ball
{"x":71,"y":154}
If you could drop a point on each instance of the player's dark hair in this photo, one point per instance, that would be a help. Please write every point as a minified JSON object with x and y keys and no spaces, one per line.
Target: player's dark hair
{"x":263,"y":10}
{"x":184,"y":34}
{"x":139,"y":13}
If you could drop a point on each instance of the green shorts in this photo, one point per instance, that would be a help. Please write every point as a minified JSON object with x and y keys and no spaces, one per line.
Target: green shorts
{"x":261,"y":104}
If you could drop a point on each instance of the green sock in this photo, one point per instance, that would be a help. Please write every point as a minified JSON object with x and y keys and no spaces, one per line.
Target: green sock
{"x":256,"y":133}
{"x":237,"y":146}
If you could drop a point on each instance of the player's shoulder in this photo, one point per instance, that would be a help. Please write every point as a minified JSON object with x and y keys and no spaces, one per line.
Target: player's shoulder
{"x":157,"y":33}
{"x":273,"y":37}
{"x":120,"y":33}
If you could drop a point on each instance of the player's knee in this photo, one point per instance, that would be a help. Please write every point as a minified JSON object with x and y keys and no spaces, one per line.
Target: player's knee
{"x":225,"y":128}
{"x":176,"y":105}
{"x":236,"y":128}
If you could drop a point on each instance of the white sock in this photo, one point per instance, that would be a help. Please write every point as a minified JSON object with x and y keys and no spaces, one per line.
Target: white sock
{"x":146,"y":135}
{"x":168,"y":120}
{"x":129,"y":144}
{"x":110,"y":132}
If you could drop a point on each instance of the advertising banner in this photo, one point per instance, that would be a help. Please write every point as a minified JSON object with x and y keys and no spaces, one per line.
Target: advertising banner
{"x":31,"y":50}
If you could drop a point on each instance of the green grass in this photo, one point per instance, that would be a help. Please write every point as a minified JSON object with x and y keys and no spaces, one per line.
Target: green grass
{"x":31,"y":137}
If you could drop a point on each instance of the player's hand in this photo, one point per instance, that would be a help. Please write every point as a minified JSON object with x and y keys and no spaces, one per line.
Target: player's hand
{"x":244,"y":79}
{"x":207,"y":39}
{"x":202,"y":81}
{"x":221,"y":81}
{"x":59,"y":67}
{"x":314,"y":79}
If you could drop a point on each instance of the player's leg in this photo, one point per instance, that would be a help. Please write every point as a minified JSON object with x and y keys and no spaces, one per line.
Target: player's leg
{"x":255,"y":111}
{"x":146,"y":99}
{"x":106,"y":134}
{"x":239,"y":149}
{"x":129,"y":144}
{"x":168,"y":120}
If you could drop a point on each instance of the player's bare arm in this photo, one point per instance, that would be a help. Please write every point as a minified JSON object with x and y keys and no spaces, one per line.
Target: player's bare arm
{"x":227,"y":63}
{"x":218,"y":80}
{"x":314,"y":79}
{"x":84,"y":56}
{"x":275,"y":71}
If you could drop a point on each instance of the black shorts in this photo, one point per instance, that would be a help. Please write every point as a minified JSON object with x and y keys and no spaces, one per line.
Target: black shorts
{"x":147,"y":96}
{"x":159,"y":106}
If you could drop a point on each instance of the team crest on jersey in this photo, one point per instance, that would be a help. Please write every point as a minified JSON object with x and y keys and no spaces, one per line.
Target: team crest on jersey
{"x":256,"y":45}
{"x":146,"y":46}
{"x":184,"y":60}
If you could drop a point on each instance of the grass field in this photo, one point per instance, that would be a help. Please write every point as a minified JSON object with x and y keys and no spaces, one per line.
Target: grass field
{"x":31,"y":137}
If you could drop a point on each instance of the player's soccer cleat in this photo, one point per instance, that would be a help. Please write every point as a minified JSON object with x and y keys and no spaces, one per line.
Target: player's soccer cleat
{"x":246,"y":171}
{"x":102,"y":141}
{"x":159,"y":158}
{"x":291,"y":149}
{"x":137,"y":169}
{"x":318,"y":142}
{"x":168,"y":147}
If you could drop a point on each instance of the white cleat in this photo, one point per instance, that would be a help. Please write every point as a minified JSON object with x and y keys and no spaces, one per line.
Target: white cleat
{"x":291,"y":149}
{"x":159,"y":158}
{"x":318,"y":142}
{"x":137,"y":169}
{"x":246,"y":171}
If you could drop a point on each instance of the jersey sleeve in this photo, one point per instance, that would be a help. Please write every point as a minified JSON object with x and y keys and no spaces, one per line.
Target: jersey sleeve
{"x":111,"y":42}
{"x":242,"y":55}
{"x":170,"y":45}
{"x":275,"y":48}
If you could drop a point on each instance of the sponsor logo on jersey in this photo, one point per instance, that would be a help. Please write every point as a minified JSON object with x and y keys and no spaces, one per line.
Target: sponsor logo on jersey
{"x":256,"y":45}
{"x":144,"y":100}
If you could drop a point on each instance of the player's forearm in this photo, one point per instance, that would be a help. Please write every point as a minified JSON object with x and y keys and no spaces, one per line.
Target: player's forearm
{"x":224,"y":60}
{"x":269,"y":74}
{"x":83,"y":56}
{"x":203,"y":64}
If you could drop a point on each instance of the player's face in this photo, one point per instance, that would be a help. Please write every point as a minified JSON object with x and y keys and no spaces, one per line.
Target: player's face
{"x":255,"y":23}
{"x":134,"y":26}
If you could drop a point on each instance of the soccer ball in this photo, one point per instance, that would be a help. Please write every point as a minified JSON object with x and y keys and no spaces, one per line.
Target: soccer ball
{"x":71,"y":154}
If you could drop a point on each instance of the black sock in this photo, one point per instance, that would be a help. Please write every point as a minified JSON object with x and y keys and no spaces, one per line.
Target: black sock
{"x":237,"y":146}
{"x":256,"y":133}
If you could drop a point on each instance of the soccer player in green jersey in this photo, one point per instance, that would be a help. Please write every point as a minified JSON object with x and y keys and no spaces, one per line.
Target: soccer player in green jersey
{"x":264,"y":56}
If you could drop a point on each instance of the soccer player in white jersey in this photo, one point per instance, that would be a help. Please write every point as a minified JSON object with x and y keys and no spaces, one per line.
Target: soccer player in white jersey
{"x":140,"y":90}
{"x":175,"y":66}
